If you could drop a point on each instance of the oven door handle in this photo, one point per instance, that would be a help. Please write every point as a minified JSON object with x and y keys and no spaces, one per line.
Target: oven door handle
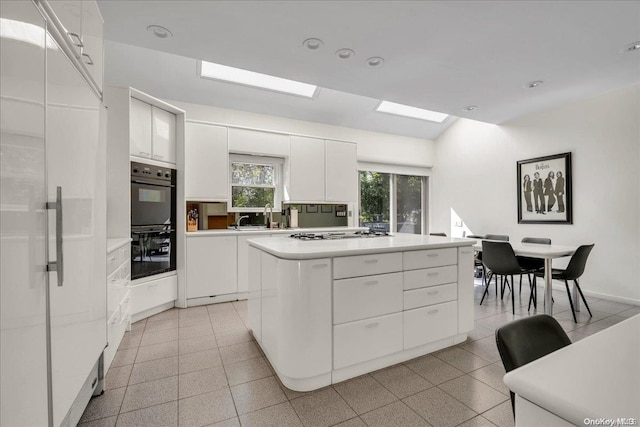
{"x":155,"y":184}
{"x":170,"y":230}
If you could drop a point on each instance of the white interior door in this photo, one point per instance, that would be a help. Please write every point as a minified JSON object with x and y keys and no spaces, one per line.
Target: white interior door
{"x":23,"y":279}
{"x":76,"y":163}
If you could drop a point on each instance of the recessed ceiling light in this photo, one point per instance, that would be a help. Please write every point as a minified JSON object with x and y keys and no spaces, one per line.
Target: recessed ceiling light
{"x":635,"y":46}
{"x":375,"y":62}
{"x":160,"y":31}
{"x":345,"y":53}
{"x":533,"y":84}
{"x":470,"y":108}
{"x":412,"y":112}
{"x":312,"y":44}
{"x":250,"y":78}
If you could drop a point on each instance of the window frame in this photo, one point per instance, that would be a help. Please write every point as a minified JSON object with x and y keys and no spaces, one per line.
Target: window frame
{"x":278,"y":165}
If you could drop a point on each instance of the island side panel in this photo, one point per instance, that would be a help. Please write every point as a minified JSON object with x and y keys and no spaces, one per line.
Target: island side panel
{"x":465,"y":289}
{"x":296,"y":320}
{"x":255,"y":293}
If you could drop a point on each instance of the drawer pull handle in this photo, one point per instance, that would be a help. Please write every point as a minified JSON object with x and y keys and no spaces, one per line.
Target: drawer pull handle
{"x":433,"y":311}
{"x":320,"y":265}
{"x":432,"y":274}
{"x":465,"y":252}
{"x":112,"y":258}
{"x":372,"y":325}
{"x":153,"y":285}
{"x":432,"y":293}
{"x":371,"y":283}
{"x":433,"y":255}
{"x":370,"y":261}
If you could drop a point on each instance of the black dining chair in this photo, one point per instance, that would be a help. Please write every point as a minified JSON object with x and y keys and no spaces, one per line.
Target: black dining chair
{"x":500,"y":259}
{"x":574,"y":270}
{"x":532,"y":264}
{"x":525,"y":340}
{"x":501,"y":237}
{"x":438,"y":234}
{"x":477,"y":258}
{"x":504,"y":238}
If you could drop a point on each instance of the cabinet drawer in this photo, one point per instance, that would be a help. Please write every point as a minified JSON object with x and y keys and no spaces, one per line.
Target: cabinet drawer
{"x":152,"y":294}
{"x":366,"y":265}
{"x":113,"y":262}
{"x":414,"y":260}
{"x":369,"y":296}
{"x":366,"y":339}
{"x":429,"y":324}
{"x":430,"y":277}
{"x":125,"y":253}
{"x":429,"y":296}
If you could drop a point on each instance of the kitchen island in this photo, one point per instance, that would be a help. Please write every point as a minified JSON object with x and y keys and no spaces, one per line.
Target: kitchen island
{"x":325,"y":310}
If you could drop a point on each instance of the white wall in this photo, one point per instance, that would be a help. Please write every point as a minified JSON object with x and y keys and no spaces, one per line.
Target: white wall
{"x":475,"y":175}
{"x":372,"y":146}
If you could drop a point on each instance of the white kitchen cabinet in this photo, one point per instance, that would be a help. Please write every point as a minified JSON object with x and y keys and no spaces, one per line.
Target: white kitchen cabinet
{"x":341,"y":172}
{"x":243,"y":260}
{"x":211,"y":266}
{"x":306,"y":180}
{"x":206,"y":162}
{"x":249,"y":141}
{"x":83,"y":24}
{"x":118,"y":296}
{"x":152,"y":133}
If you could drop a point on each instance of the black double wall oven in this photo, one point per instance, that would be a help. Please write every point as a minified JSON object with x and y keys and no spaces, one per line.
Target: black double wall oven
{"x":153,"y":220}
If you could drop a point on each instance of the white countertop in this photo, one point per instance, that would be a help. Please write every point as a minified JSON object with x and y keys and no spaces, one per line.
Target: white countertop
{"x":267,"y":231}
{"x":116,"y":243}
{"x":597,"y":377}
{"x":288,"y":248}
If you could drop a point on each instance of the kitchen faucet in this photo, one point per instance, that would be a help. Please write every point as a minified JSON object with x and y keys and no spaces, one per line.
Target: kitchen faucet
{"x":240,"y":219}
{"x":270,"y":221}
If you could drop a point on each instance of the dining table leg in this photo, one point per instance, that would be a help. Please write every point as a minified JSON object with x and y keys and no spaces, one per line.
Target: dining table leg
{"x":548,"y":296}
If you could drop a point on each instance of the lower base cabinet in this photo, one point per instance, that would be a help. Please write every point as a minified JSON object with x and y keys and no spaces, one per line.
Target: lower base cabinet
{"x":148,"y":295}
{"x":212,"y":266}
{"x":118,"y":296}
{"x":429,"y":324}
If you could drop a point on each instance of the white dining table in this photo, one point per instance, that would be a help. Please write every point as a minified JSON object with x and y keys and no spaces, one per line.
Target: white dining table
{"x":547,"y":253}
{"x":596,"y":378}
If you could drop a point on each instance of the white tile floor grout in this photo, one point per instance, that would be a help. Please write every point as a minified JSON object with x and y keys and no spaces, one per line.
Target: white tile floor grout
{"x":200,"y":366}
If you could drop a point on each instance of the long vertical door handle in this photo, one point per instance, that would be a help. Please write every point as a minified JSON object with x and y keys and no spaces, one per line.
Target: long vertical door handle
{"x":58,"y":264}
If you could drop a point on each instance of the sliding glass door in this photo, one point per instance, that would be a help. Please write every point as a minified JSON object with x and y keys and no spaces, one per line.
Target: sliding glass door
{"x":391,"y":202}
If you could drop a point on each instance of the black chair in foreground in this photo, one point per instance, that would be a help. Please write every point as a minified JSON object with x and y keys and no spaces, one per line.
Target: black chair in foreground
{"x":501,"y":260}
{"x":573,"y":272}
{"x":528,"y":339}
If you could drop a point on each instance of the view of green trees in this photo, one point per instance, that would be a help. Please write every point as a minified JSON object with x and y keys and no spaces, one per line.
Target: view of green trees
{"x":255,"y":185}
{"x":374,"y":197}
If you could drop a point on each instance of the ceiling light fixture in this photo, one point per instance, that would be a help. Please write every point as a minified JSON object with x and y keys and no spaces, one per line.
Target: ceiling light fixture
{"x":632,"y":47}
{"x":375,"y":62}
{"x":412,"y":112}
{"x":533,"y":84}
{"x":345,"y":53}
{"x":470,"y":108}
{"x":160,"y":31}
{"x":312,"y":44}
{"x":249,"y":78}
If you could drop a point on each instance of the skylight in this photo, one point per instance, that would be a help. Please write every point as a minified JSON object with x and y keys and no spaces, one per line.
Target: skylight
{"x":25,"y":32}
{"x":413,"y":112}
{"x":249,"y":78}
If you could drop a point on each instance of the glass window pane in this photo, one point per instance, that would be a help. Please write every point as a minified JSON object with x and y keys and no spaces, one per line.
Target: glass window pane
{"x":252,"y":197}
{"x":374,"y":200}
{"x":252,"y":174}
{"x":409,"y":204}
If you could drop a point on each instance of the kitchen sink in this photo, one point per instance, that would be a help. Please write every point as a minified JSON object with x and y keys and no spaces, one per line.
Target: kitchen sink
{"x":248,"y":228}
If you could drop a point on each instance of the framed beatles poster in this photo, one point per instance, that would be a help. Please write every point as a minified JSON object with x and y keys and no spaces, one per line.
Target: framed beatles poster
{"x":544,"y":190}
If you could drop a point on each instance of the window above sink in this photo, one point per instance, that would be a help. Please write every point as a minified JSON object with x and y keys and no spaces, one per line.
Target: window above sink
{"x":255,"y":181}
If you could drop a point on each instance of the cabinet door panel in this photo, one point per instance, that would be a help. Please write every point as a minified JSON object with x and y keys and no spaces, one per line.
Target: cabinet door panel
{"x":140,"y":137}
{"x":211,"y":266}
{"x":206,"y":162}
{"x":341,"y":172}
{"x":69,"y":12}
{"x":306,"y":170}
{"x":92,"y":30}
{"x":78,"y":307}
{"x":163,"y":135}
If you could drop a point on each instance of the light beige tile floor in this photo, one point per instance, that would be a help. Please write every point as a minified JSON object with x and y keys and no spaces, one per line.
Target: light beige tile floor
{"x":201,"y":367}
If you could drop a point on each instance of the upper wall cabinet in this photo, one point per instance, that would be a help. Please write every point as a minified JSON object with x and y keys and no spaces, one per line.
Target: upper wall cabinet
{"x":246,"y":141}
{"x":306,"y":181}
{"x":341,"y":165}
{"x":207,"y":162}
{"x":84,"y":27}
{"x":153,"y":132}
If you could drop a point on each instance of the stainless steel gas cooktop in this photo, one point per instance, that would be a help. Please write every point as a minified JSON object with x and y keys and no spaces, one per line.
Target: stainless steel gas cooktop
{"x":339,"y":236}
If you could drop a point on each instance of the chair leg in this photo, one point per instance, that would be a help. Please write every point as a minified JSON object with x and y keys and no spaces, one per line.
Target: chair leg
{"x":531,"y":290}
{"x":513,"y":302}
{"x":520,"y":284}
{"x":566,"y":284}
{"x":583,"y":298}
{"x":486,"y":289}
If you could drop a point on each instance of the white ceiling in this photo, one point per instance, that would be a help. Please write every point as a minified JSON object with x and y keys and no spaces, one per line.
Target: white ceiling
{"x":439,"y":55}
